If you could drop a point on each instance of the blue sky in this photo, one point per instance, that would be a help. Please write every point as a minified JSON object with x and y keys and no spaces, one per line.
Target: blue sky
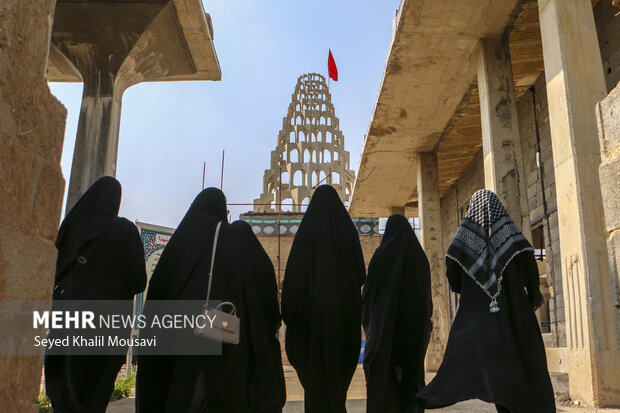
{"x":169,"y":129}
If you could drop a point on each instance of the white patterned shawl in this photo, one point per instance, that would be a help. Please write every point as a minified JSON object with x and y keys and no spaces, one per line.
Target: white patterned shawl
{"x":486,"y":242}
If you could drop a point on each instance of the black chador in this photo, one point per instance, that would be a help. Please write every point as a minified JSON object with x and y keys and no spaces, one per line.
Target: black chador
{"x":266,"y":389}
{"x":198,"y":383}
{"x":100,"y":257}
{"x":495,"y":350}
{"x":321,"y":302}
{"x":396,"y":314}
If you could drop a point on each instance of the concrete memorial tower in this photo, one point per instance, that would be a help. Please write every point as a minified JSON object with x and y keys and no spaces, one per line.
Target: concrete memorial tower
{"x":309,"y":152}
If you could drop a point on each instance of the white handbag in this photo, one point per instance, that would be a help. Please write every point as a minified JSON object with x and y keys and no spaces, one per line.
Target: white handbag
{"x":226,"y":325}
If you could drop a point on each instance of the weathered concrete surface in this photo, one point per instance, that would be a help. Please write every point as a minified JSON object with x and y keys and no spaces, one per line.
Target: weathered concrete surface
{"x":501,"y":142}
{"x":428,"y":71}
{"x":575,"y":83}
{"x":31,"y":134}
{"x":429,"y":207}
{"x":111,"y":46}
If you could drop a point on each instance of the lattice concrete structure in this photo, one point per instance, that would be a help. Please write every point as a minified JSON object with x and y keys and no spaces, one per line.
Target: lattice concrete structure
{"x":310,"y":150}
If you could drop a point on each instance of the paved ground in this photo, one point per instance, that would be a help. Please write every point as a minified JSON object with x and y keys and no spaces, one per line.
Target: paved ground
{"x":357,"y":402}
{"x":359,"y":406}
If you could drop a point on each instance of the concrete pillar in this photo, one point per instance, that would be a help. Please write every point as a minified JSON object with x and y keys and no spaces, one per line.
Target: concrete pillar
{"x":429,"y":211}
{"x":575,"y":83}
{"x":96,"y":144}
{"x":32,"y":124}
{"x":108,"y":62}
{"x":501,"y":143}
{"x":111,"y":46}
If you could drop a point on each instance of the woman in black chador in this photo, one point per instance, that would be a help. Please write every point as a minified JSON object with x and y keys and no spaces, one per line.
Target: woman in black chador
{"x":396,"y":314}
{"x":266,"y":389}
{"x":495,"y":351}
{"x":200,"y":383}
{"x":100,"y":257}
{"x":321,"y":302}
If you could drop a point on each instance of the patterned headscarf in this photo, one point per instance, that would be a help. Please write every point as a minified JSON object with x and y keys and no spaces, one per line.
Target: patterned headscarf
{"x":486,"y":242}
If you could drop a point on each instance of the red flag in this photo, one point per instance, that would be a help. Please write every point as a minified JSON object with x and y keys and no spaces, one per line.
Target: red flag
{"x":331,"y":67}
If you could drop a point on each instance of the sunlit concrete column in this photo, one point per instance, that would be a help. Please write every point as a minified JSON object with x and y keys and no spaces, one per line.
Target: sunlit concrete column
{"x":501,"y":142}
{"x":575,"y":83}
{"x":429,"y":211}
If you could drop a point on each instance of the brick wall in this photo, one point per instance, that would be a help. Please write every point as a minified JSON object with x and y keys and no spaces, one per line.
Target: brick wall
{"x":270,"y":244}
{"x":454,"y":202}
{"x":608,"y":28}
{"x":543,"y":210}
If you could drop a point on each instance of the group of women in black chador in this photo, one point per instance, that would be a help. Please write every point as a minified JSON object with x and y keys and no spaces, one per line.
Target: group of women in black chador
{"x":494,"y":353}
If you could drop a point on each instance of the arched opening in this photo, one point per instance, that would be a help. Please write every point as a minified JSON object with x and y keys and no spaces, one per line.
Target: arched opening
{"x":313,"y":135}
{"x":285,"y":178}
{"x":297,"y":178}
{"x":336,"y":156}
{"x":283,"y":156}
{"x":287,"y":205}
{"x":302,"y":136}
{"x":307,"y":155}
{"x":292,"y":137}
{"x":327,"y":155}
{"x":329,"y":121}
{"x":304,"y":204}
{"x":335,"y":178}
{"x":328,"y":137}
{"x":294,"y":155}
{"x":322,"y":178}
{"x":314,"y":156}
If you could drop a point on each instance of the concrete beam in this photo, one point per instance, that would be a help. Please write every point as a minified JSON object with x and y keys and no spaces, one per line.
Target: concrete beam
{"x":501,"y":144}
{"x":111,"y":46}
{"x":575,"y":83}
{"x":429,"y":207}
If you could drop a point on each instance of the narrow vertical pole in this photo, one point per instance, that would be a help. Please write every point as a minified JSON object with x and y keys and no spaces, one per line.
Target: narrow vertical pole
{"x":204,"y":171}
{"x":278,"y":225}
{"x":222,"y":173}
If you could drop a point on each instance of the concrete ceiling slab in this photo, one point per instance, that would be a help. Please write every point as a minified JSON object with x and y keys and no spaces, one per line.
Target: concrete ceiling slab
{"x":429,"y":70}
{"x":156,"y":40}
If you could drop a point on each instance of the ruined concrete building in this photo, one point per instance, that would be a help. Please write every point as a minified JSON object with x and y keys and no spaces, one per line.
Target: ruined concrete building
{"x":509,"y":98}
{"x":309,"y":152}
